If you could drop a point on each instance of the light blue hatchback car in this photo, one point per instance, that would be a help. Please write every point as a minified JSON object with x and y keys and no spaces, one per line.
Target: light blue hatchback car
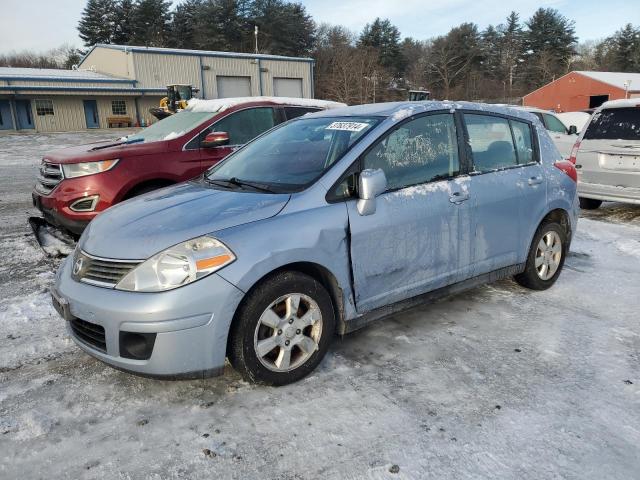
{"x":315,"y":228}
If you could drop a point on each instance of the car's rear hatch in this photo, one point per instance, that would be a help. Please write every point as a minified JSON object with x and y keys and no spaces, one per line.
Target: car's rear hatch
{"x":609,"y":152}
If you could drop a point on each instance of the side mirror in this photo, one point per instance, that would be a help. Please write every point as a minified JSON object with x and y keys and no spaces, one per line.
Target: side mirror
{"x":215,"y":139}
{"x":370,"y":184}
{"x":573,"y":130}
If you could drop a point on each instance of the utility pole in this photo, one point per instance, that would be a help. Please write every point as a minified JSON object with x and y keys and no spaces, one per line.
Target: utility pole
{"x":255,"y":34}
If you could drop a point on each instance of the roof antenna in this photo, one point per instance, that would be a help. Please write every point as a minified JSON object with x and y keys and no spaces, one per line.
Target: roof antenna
{"x":255,"y":33}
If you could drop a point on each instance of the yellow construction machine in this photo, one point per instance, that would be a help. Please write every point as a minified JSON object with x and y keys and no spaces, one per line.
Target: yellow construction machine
{"x":177,"y":97}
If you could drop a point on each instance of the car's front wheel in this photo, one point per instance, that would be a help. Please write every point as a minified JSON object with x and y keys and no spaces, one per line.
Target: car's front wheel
{"x":546,"y":257}
{"x":282,"y":330}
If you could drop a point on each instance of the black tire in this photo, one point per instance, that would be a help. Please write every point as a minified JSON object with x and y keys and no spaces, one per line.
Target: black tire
{"x":589,"y":203}
{"x":530,"y":277}
{"x":242,"y":353}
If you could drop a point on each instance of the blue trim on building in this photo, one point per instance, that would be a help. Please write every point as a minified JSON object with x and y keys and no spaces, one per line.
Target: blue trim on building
{"x":260,"y":75}
{"x":200,"y":53}
{"x":42,"y":78}
{"x":21,"y":88}
{"x":313,"y":81}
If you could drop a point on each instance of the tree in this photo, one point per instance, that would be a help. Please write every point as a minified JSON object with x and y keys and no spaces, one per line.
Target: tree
{"x":184,"y":24}
{"x":150,"y":25}
{"x":124,"y":12}
{"x":384,"y":37}
{"x":625,"y":49}
{"x":284,"y":28}
{"x":455,"y":60}
{"x":550,"y":45}
{"x":97,"y":22}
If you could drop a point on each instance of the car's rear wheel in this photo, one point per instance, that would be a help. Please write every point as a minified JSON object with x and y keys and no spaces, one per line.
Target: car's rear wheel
{"x":589,"y":203}
{"x":546,"y":257}
{"x":282,"y":330}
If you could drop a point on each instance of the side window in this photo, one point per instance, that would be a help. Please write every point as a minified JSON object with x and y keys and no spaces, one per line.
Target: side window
{"x":522,"y":138}
{"x":554,"y":124}
{"x":419,"y":151}
{"x":295,"y":112}
{"x":491,"y":142}
{"x":245,"y":125}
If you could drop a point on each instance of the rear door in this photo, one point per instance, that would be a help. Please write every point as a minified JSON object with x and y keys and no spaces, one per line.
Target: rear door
{"x":506,"y":187}
{"x":242,"y":127}
{"x":410,"y":245}
{"x":609,"y":151}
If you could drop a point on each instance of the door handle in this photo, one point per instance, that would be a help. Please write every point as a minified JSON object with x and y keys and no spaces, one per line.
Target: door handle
{"x":458,"y":197}
{"x":535,"y":181}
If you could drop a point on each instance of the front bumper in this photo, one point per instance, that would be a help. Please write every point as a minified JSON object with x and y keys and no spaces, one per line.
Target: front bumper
{"x":54,"y":216}
{"x":609,"y":193}
{"x":191,"y":323}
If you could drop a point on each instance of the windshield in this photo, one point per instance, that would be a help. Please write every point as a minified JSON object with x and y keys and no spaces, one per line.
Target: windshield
{"x":291,"y":157}
{"x":173,"y":126}
{"x":615,"y":124}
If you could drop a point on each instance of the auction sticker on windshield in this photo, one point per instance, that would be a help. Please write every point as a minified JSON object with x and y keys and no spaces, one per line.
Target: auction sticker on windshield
{"x":347,"y":126}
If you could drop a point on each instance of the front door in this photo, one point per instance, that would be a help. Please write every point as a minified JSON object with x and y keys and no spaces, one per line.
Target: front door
{"x":410,"y":245}
{"x":24,"y":114}
{"x":560,"y":135}
{"x":6,"y":121}
{"x":91,"y":113}
{"x":242,"y":127}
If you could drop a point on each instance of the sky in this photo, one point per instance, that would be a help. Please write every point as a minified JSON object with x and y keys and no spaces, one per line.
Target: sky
{"x":44,"y":24}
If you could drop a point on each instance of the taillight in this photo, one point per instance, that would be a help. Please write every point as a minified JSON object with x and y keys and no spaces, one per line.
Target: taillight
{"x":569,"y":168}
{"x":574,"y":152}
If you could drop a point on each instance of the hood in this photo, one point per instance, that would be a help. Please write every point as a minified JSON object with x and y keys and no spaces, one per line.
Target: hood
{"x":145,"y":225}
{"x":93,"y":152}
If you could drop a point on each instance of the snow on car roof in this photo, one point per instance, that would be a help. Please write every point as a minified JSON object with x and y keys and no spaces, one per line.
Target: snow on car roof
{"x":622,"y":103}
{"x":400,"y":110}
{"x":220,"y":104}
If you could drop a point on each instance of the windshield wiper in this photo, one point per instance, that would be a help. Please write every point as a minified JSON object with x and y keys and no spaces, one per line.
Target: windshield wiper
{"x":115,"y":144}
{"x":241,"y":183}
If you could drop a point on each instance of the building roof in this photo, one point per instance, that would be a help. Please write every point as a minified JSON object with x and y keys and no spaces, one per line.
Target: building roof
{"x":617,"y":79}
{"x":59,"y":75}
{"x":201,"y":53}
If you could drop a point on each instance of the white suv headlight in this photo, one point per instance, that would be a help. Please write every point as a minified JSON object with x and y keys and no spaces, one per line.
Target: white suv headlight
{"x":179,"y":265}
{"x":72,"y":170}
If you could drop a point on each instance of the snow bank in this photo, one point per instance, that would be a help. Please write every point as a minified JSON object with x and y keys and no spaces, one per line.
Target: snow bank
{"x":221,"y":104}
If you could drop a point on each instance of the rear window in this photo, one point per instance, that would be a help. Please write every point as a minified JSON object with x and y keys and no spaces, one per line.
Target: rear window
{"x":614,"y":124}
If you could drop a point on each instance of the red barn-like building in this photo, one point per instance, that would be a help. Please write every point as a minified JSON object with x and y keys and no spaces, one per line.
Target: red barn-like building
{"x":581,"y":90}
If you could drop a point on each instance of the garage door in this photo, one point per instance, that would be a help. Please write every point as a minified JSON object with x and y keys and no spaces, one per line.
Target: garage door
{"x":233,"y":86}
{"x":287,"y":87}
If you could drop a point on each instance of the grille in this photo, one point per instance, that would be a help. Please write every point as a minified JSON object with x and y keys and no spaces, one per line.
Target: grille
{"x":102,"y":272}
{"x":89,"y":333}
{"x":49,"y":177}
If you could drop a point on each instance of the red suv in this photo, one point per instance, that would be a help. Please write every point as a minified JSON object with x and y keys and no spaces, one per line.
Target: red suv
{"x":77,"y":183}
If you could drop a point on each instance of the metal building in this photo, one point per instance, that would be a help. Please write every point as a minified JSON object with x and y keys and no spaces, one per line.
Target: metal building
{"x":116,"y":85}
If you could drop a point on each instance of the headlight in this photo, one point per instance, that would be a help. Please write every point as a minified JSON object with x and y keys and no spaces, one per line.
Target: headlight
{"x":72,"y":170}
{"x":179,"y":265}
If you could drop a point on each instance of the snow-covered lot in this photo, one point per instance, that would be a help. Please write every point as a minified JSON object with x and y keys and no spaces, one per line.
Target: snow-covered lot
{"x":499,"y":382}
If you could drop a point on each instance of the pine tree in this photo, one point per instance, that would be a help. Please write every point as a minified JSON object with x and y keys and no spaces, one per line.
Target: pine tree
{"x":626,"y":49}
{"x":124,"y":11}
{"x":184,"y":24}
{"x":97,"y":22}
{"x":550,"y":43}
{"x":284,"y":28}
{"x":151,"y":23}
{"x":385,"y":38}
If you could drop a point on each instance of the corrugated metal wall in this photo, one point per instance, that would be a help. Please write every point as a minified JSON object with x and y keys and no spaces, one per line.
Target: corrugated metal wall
{"x":283,"y":69}
{"x":68,"y":115}
{"x":144,"y":104}
{"x":155,"y":70}
{"x":230,"y":67}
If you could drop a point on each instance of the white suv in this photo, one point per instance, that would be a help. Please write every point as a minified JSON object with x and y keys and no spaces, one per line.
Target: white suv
{"x":607,"y":155}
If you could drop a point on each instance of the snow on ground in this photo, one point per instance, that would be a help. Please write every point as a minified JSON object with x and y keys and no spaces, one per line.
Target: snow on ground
{"x":498,"y":382}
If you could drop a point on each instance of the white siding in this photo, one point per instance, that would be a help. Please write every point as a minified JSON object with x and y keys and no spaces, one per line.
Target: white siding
{"x":144,"y":104}
{"x":68,"y":115}
{"x":284,"y":69}
{"x":288,"y":87}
